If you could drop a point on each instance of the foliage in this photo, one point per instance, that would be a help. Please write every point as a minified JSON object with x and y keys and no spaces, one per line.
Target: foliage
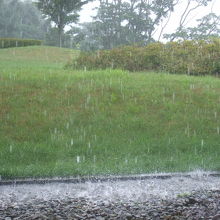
{"x":208,"y":26}
{"x":52,"y":38}
{"x":123,"y":23}
{"x":187,"y":57}
{"x":61,"y":12}
{"x":13,"y":42}
{"x":191,"y":6}
{"x":21,"y":19}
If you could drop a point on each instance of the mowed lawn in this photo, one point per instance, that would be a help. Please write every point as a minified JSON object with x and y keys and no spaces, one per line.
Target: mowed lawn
{"x":57,"y":122}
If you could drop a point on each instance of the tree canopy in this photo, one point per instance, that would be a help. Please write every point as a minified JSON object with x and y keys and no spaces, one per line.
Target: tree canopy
{"x":126,"y":22}
{"x":61,"y":12}
{"x":117,"y":22}
{"x":208,"y":26}
{"x":21,"y":20}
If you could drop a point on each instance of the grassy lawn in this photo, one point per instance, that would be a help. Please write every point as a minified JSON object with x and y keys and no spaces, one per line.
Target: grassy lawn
{"x":56,"y":122}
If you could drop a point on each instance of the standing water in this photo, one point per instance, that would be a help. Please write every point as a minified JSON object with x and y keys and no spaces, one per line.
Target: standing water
{"x":137,"y":197}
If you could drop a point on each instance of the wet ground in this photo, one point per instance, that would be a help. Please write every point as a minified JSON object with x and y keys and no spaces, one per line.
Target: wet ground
{"x":196,"y":196}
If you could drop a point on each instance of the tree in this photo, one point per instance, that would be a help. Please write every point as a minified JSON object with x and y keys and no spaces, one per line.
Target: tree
{"x":191,"y":5}
{"x":144,"y":16}
{"x":52,"y":37}
{"x":208,"y":26}
{"x":89,"y":37}
{"x":121,"y":22}
{"x":21,"y":20}
{"x":61,"y":12}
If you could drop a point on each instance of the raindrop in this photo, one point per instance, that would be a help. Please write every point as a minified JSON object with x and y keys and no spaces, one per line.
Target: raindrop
{"x":123,"y":96}
{"x":194,"y":132}
{"x":192,"y":86}
{"x":121,"y":86}
{"x":174,"y":95}
{"x":67,"y":125}
{"x":71,"y":142}
{"x":10,"y":148}
{"x":91,"y":82}
{"x":89,"y":145}
{"x":202,"y":143}
{"x":110,"y":82}
{"x":112,"y":65}
{"x":78,"y":159}
{"x":102,"y":90}
{"x":218,"y":130}
{"x":136,"y":159}
{"x":45,"y":113}
{"x":88,"y":99}
{"x":187,"y":131}
{"x":202,"y":161}
{"x":195,"y":150}
{"x":215,"y":114}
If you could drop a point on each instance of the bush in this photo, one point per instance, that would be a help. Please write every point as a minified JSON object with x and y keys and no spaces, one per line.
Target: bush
{"x":13,"y":42}
{"x":187,"y":57}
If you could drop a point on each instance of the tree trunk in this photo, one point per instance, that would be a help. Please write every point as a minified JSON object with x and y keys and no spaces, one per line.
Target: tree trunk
{"x":60,"y":32}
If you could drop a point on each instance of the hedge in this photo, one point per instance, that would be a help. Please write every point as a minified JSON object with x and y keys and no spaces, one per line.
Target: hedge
{"x":13,"y":42}
{"x":187,"y":57}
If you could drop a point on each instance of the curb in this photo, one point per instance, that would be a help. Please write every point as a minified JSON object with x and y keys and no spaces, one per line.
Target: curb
{"x":98,"y":179}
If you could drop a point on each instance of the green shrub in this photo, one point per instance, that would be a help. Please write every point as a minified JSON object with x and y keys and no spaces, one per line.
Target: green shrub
{"x":13,"y":42}
{"x":187,"y":57}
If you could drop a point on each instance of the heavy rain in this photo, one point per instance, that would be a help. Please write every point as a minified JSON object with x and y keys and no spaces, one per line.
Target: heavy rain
{"x":109,"y":109}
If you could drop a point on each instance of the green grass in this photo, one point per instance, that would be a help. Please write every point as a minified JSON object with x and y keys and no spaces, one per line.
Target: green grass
{"x":56,"y":122}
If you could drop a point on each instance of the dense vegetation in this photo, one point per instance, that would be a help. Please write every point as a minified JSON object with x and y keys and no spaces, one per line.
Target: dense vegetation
{"x":129,"y":22}
{"x":13,"y":42}
{"x":66,"y":122}
{"x":186,"y":57}
{"x":115,"y":23}
{"x":21,"y":19}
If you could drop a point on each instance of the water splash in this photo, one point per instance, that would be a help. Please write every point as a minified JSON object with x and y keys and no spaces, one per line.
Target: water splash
{"x":131,"y":190}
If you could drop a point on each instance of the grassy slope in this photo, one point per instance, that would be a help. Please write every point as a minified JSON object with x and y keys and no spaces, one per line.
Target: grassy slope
{"x":61,"y":122}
